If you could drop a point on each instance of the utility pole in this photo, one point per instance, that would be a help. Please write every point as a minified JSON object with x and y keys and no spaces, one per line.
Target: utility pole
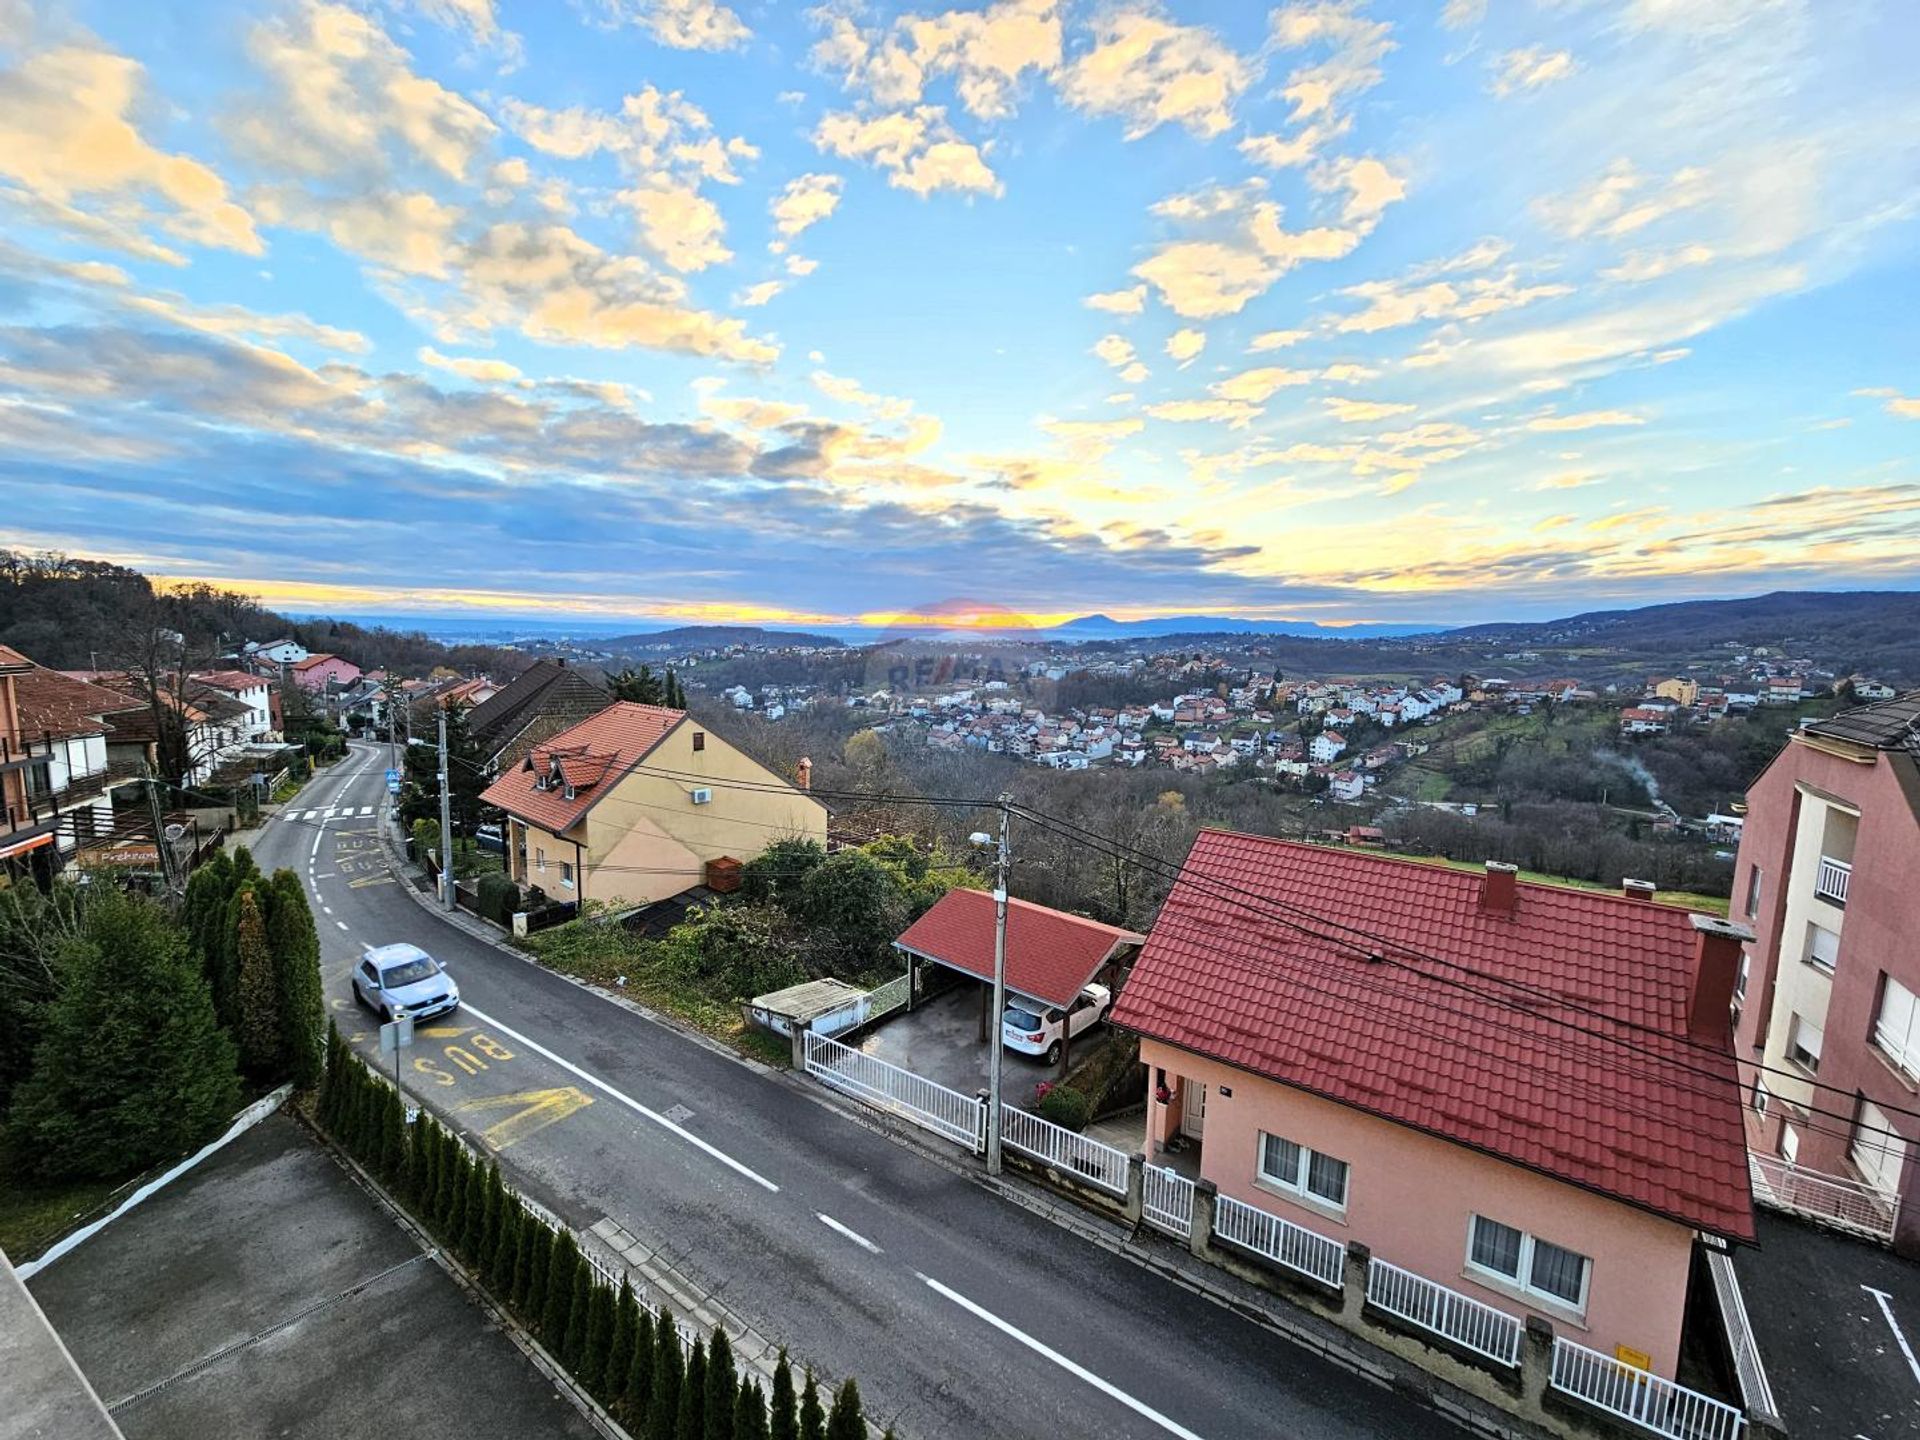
{"x":1002,"y":858}
{"x":160,"y":846}
{"x":446,"y":820}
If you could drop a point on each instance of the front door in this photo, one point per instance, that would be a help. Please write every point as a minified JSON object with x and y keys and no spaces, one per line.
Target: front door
{"x":1193,"y":1108}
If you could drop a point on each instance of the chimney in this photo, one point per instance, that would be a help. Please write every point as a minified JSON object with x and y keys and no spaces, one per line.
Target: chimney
{"x":1498,"y":891}
{"x":805,"y":768}
{"x":1716,"y":964}
{"x":1637,"y":889}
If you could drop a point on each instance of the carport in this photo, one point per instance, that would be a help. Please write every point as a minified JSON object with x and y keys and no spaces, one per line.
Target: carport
{"x":1051,"y":955}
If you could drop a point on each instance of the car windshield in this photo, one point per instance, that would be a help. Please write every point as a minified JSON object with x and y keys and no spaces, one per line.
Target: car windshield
{"x":1023,"y":1020}
{"x":409,"y":972}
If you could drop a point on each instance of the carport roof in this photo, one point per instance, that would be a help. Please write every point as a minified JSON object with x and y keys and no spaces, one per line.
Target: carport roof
{"x":1051,"y":955}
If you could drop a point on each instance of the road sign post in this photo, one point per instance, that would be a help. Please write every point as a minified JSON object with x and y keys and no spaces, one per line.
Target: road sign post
{"x":397,"y":1035}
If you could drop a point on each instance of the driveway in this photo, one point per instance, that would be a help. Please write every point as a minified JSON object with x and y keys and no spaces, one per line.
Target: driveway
{"x":940,"y":1039}
{"x":265,"y":1294}
{"x":1838,"y":1322}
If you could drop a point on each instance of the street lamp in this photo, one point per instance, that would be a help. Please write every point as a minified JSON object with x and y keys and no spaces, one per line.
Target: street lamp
{"x":981,"y":841}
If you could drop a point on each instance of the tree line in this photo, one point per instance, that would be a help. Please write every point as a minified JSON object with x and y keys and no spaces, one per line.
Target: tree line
{"x":631,"y":1360}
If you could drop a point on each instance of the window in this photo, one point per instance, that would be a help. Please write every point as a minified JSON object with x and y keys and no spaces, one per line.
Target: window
{"x":1537,"y":1266}
{"x":1760,"y":1097}
{"x":1301,"y":1172}
{"x":566,"y":874}
{"x":1823,"y":948}
{"x":1753,"y":892}
{"x":699,"y":740}
{"x":1803,"y":1045}
{"x":540,"y":858}
{"x":1880,"y":1154}
{"x":1896,"y":1028}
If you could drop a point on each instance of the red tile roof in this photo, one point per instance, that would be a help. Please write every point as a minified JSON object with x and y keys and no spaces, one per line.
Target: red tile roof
{"x":61,"y":707}
{"x":1050,"y":954}
{"x":591,"y":757}
{"x":1625,"y":1111}
{"x":234,"y":680}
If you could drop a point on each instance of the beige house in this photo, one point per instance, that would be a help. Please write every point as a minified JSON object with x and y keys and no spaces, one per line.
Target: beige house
{"x":628,"y":807}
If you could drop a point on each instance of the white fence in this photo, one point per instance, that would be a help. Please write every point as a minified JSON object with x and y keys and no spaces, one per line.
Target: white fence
{"x":1642,"y":1398}
{"x":1465,"y":1321}
{"x":1830,"y":1199}
{"x":948,"y":1113}
{"x":1280,"y":1241}
{"x":1167,"y":1202}
{"x":1754,"y":1388}
{"x":1097,"y":1164}
{"x":1830,"y":881}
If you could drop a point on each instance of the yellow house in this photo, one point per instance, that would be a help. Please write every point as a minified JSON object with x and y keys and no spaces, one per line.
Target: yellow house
{"x":1679,"y":689}
{"x":629,"y":805}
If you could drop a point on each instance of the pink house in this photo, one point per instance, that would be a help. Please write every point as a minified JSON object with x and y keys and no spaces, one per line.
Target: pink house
{"x":1521,"y":1092}
{"x":317,"y":671}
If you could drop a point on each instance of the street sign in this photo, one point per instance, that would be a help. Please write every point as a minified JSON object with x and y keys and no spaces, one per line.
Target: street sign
{"x":393,"y":777}
{"x":396,"y":1035}
{"x":393,"y":787}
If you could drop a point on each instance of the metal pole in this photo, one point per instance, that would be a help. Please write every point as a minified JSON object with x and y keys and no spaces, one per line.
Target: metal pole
{"x":162,"y":850}
{"x":446,"y":820}
{"x":1002,"y":857}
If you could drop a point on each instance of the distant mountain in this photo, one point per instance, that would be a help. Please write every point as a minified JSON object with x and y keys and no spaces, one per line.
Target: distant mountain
{"x":701,"y":637}
{"x":1103,"y":627}
{"x":1829,"y":619}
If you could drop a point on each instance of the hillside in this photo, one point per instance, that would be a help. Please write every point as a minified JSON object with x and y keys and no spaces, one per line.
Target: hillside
{"x":702,"y":637}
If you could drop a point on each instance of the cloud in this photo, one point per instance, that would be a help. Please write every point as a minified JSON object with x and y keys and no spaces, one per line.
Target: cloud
{"x":1275,"y":340}
{"x":985,"y":52}
{"x":1531,"y":68}
{"x":1321,"y":93}
{"x":1394,"y":303}
{"x":916,"y":147}
{"x":67,"y":142}
{"x":1906,"y":407}
{"x":1622,"y":201}
{"x":1183,"y":345}
{"x":1235,"y":413}
{"x":757,"y":295}
{"x":1371,"y":187}
{"x":1282,"y":152}
{"x":1585,"y":420}
{"x":654,"y":129}
{"x":1129,"y":301}
{"x":1458,"y":14}
{"x":679,"y":224}
{"x":1244,"y":250}
{"x":682,"y":24}
{"x":469,"y":367}
{"x":1639,"y":266}
{"x":1116,"y":350}
{"x":851,"y":392}
{"x":804,"y":202}
{"x":1152,"y":72}
{"x":1569,"y":480}
{"x":1359,"y":411}
{"x":410,"y":233}
{"x":1258,"y":384}
{"x":480,"y":21}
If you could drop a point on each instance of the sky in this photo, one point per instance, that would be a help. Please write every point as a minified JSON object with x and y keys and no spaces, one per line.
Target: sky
{"x":764,"y":312}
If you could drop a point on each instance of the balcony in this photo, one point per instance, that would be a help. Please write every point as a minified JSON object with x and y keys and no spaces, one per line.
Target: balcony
{"x":1831,"y":1200}
{"x":1831,"y":879}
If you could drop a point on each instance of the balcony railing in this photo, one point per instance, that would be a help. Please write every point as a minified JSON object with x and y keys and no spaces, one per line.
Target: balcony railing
{"x":1831,"y":880}
{"x":1829,"y":1199}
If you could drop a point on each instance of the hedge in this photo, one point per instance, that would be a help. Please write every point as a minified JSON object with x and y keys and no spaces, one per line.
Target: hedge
{"x":636,"y":1364}
{"x":499,"y":897}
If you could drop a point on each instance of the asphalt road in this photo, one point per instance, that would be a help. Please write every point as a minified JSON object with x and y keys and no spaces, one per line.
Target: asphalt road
{"x":962,"y":1315}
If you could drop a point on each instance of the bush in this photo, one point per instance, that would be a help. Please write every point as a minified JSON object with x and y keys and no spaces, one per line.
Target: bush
{"x":499,"y":897}
{"x":426,"y":840}
{"x":1067,"y":1107}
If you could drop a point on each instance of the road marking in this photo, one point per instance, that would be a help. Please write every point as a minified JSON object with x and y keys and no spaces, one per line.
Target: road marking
{"x":626,"y":1100}
{"x":533,"y":1110}
{"x":366,"y":809}
{"x":326,"y":909}
{"x":1894,"y":1325}
{"x":1139,"y":1407}
{"x":839,"y":1229}
{"x":341,"y":923}
{"x":328,"y":876}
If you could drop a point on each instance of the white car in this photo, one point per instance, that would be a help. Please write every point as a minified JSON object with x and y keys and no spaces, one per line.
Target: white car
{"x":403,"y":979}
{"x":1030,"y":1030}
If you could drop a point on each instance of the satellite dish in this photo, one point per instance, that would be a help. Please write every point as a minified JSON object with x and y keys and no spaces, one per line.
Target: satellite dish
{"x":176,"y":832}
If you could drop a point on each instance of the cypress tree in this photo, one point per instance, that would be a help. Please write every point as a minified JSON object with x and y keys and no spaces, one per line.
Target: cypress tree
{"x":205,"y":915}
{"x":482,"y":1217}
{"x":784,"y":1412}
{"x":639,"y":1386}
{"x":259,"y":1006}
{"x":453,"y":1224}
{"x":596,"y":1351}
{"x":528,"y":1237}
{"x":626,"y":1316}
{"x":300,"y":1000}
{"x":327,"y":1106}
{"x":750,"y":1413}
{"x":722,"y":1383}
{"x":663,"y":1406}
{"x":393,"y":1139}
{"x":691,"y":1424}
{"x":506,"y":1245}
{"x":559,"y":1299}
{"x":131,"y":1066}
{"x":813,"y":1419}
{"x":847,"y":1422}
{"x":533,"y":1302}
{"x":573,"y":1350}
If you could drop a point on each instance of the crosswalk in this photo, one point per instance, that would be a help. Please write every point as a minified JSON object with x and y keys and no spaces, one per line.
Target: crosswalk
{"x":340,"y":812}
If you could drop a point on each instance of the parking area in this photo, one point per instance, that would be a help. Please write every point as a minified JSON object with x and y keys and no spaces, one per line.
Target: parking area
{"x":265,"y":1294}
{"x":940,"y":1039}
{"x":1838,"y":1324}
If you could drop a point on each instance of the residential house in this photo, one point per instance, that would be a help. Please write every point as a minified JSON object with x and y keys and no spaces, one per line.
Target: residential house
{"x":316,"y":672}
{"x":1865,"y":689}
{"x":1782,"y":690}
{"x":274,"y":652}
{"x":629,"y":805}
{"x":55,"y":779}
{"x":254,"y":692}
{"x":1829,"y":1029}
{"x":1542,"y":1160}
{"x":1638,"y":720}
{"x":1678,"y":689}
{"x":1327,"y":746}
{"x":537,"y":704}
{"x":1347,"y":785}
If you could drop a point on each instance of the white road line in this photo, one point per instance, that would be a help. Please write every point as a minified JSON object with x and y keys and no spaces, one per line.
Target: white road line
{"x":366,"y":809}
{"x":327,"y":908}
{"x":626,"y":1100}
{"x":341,"y":923}
{"x":1898,"y":1334}
{"x":839,"y":1229}
{"x":1139,"y":1407}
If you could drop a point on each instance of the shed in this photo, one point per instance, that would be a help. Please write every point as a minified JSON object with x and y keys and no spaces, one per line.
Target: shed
{"x":824,"y":1006}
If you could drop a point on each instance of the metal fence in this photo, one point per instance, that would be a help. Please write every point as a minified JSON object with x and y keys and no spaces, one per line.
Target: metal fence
{"x":1641,"y":1397}
{"x":1055,"y":1145}
{"x":1447,"y":1313}
{"x":887,"y":998}
{"x":1281,"y":1241}
{"x":1830,"y":1199}
{"x":1754,"y":1388}
{"x":948,"y":1113}
{"x":1167,"y":1202}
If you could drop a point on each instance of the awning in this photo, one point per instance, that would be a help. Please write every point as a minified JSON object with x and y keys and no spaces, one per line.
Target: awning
{"x":21,"y":847}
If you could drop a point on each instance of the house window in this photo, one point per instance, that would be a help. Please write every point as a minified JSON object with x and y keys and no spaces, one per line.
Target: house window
{"x":1823,"y":948}
{"x":1753,"y":892}
{"x":1896,"y":1028}
{"x":1880,"y":1154}
{"x":566,"y":874}
{"x":540,"y":858}
{"x":1536,"y":1266}
{"x":1299,"y":1171}
{"x":1803,"y":1045}
{"x":699,"y":740}
{"x":1761,"y":1095}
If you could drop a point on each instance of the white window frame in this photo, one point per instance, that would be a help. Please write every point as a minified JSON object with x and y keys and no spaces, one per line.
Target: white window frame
{"x":1754,"y":882}
{"x":566,"y":874}
{"x":1761,"y":1095}
{"x":1809,"y":957}
{"x":1797,"y":1026}
{"x":540,"y":858}
{"x":1894,"y":1036}
{"x":1522,"y":1283}
{"x":1295,"y":1186}
{"x":1870,"y":1148}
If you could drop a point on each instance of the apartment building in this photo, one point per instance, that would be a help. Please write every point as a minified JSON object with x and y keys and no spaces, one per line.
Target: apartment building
{"x":1828,"y":1032}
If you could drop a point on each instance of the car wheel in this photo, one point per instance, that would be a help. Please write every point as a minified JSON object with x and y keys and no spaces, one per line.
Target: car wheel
{"x":1053,"y":1053}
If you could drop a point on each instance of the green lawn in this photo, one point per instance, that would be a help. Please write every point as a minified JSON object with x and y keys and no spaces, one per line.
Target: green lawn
{"x":32,"y":1217}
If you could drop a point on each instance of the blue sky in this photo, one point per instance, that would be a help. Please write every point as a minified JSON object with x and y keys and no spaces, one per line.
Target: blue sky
{"x":670,"y":308}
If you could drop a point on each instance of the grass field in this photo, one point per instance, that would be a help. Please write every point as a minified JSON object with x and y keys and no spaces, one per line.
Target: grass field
{"x":32,"y":1217}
